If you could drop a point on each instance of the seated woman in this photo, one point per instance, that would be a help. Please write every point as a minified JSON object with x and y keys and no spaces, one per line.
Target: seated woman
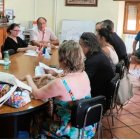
{"x":65,"y":90}
{"x":97,"y":66}
{"x":13,"y":43}
{"x":103,"y":36}
{"x":135,"y":56}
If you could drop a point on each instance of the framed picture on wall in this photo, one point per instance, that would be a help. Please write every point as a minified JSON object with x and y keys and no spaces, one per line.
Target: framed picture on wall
{"x":81,"y":2}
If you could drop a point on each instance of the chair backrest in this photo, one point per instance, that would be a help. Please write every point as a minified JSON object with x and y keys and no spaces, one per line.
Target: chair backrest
{"x":87,"y":111}
{"x":116,"y":82}
{"x":120,"y":68}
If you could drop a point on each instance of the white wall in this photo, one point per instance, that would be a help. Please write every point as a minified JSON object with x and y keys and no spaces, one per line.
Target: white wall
{"x":106,"y":9}
{"x":24,"y":10}
{"x":45,"y":8}
{"x":120,"y":18}
{"x":27,"y":10}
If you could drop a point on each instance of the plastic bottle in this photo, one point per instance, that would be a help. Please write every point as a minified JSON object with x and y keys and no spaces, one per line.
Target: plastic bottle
{"x":49,"y":48}
{"x":6,"y":60}
{"x":47,"y":55}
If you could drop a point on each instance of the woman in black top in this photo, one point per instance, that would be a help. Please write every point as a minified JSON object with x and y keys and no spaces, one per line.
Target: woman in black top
{"x":97,"y":66}
{"x":15,"y":43}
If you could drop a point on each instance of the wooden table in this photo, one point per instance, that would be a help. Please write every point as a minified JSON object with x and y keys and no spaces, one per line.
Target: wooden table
{"x":20,"y":66}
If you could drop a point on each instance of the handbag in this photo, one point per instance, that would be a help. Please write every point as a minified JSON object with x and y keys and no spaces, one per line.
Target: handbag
{"x":19,"y":98}
{"x":125,"y":92}
{"x":5,"y":93}
{"x":12,"y":91}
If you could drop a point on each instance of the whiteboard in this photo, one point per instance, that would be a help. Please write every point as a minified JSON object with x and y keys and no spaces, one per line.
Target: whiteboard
{"x":72,"y":29}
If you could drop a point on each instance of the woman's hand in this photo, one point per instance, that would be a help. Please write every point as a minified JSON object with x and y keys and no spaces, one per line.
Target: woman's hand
{"x":28,"y":77}
{"x":30,"y":47}
{"x":49,"y":71}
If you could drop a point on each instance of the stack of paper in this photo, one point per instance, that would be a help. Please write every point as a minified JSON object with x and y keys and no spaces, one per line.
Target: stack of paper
{"x":47,"y":67}
{"x":39,"y":70}
{"x":31,"y":53}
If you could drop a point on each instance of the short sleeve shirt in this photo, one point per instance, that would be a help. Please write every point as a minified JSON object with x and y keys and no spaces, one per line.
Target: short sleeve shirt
{"x":47,"y":35}
{"x":137,"y":38}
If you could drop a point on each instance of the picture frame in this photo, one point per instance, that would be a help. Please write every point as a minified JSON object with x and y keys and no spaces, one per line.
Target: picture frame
{"x":89,"y":3}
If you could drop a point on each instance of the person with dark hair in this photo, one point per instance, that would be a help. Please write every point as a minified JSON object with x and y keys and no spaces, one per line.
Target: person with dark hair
{"x":103,"y":36}
{"x":97,"y":66}
{"x":13,"y":42}
{"x":43,"y":36}
{"x":65,"y":90}
{"x":136,"y":53}
{"x":116,"y":41}
{"x":98,"y":26}
{"x":108,"y":24}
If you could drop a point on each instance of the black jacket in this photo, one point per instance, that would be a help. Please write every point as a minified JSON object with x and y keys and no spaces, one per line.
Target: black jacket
{"x":100,"y":73}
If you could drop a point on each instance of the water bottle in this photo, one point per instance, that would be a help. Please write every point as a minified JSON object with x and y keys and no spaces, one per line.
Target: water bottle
{"x":6,"y":60}
{"x":49,"y":48}
{"x":47,"y":55}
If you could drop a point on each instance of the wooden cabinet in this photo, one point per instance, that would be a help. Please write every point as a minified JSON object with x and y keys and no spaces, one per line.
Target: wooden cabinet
{"x":3,"y":35}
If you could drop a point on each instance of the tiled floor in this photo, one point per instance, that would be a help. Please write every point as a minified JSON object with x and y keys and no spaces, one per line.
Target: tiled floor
{"x":127,"y":121}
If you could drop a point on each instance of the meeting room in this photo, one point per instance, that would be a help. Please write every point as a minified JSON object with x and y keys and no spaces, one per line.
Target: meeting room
{"x":69,"y":69}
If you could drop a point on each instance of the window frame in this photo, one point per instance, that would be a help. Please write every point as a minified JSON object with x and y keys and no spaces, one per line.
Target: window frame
{"x":127,"y":4}
{"x":2,"y":5}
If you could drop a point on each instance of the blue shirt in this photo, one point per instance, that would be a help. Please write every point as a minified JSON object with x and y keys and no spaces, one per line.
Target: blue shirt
{"x":137,"y":38}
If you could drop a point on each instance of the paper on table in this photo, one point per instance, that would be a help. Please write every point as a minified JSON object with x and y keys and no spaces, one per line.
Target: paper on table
{"x":39,"y":71}
{"x":47,"y":67}
{"x":2,"y":62}
{"x":31,"y":53}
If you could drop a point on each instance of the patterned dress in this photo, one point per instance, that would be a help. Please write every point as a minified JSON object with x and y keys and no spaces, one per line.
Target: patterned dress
{"x":61,"y":125}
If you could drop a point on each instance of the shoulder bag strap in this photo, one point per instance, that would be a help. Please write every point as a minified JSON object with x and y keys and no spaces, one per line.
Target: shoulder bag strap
{"x":68,"y":89}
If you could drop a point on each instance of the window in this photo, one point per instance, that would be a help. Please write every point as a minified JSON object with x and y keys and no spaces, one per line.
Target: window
{"x":132,"y":17}
{"x":1,"y":7}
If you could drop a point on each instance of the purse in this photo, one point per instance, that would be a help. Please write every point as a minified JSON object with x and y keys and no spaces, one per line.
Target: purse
{"x":19,"y":98}
{"x":12,"y":91}
{"x":13,"y":95}
{"x":125,"y":92}
{"x":5,"y":93}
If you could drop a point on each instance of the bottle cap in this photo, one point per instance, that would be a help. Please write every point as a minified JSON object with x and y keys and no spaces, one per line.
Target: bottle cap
{"x":6,"y":52}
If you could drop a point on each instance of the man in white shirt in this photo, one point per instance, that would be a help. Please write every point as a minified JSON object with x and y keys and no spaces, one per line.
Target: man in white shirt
{"x":43,"y":36}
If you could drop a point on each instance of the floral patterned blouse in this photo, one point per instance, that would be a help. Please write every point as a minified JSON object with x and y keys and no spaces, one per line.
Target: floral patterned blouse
{"x":61,"y":125}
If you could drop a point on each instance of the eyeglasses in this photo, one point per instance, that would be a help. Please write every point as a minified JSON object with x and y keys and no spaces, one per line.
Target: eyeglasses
{"x":16,"y":30}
